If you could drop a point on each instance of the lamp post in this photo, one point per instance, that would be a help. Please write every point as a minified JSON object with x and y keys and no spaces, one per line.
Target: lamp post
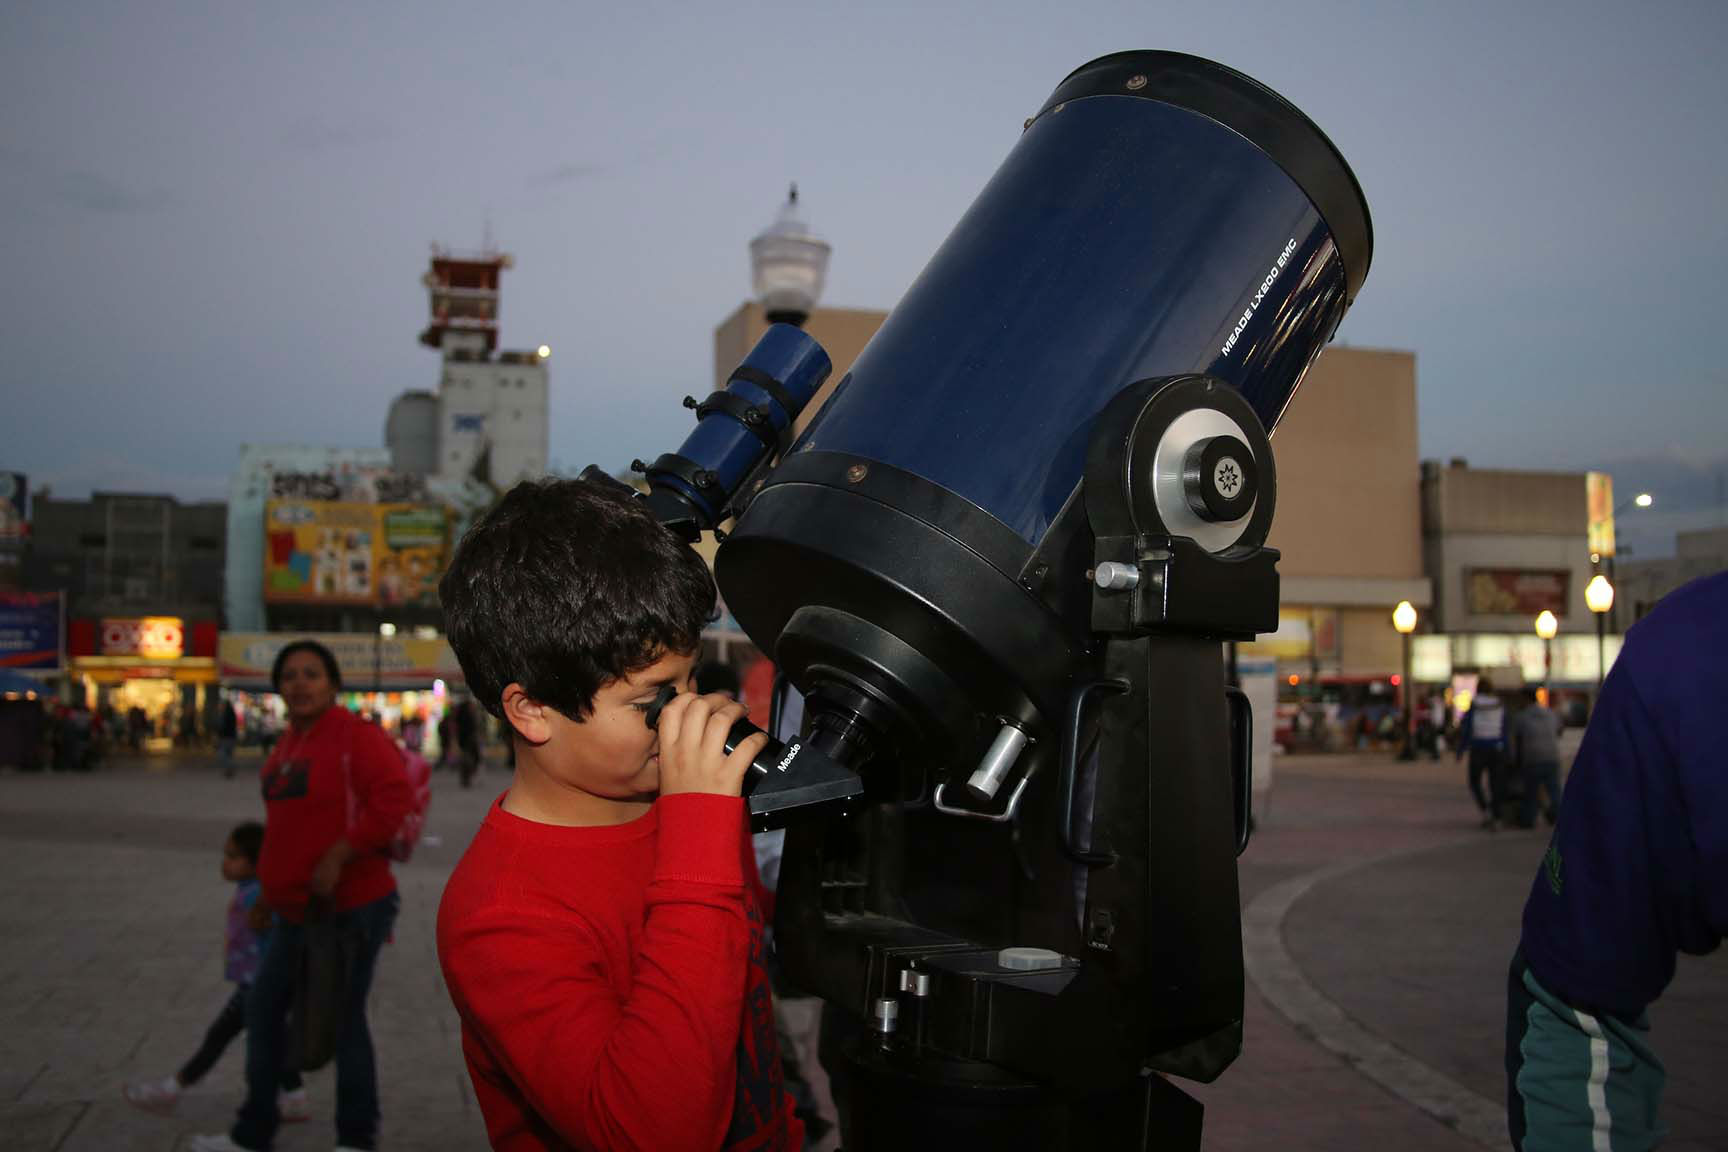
{"x":1547,"y":626}
{"x":1642,"y":500}
{"x":788,"y":264}
{"x":1599,"y":596}
{"x":385,"y":631}
{"x":1404,"y":620}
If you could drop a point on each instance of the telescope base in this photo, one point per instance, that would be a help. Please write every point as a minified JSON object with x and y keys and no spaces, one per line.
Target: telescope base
{"x":895,"y":1100}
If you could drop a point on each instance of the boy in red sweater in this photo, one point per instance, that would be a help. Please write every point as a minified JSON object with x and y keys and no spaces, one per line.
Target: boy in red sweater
{"x":602,"y":938}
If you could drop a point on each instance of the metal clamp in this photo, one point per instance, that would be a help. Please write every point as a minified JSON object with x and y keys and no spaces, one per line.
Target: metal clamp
{"x":1001,"y":817}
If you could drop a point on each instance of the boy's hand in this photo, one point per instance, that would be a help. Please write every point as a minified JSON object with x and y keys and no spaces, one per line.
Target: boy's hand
{"x":692,"y":746}
{"x":258,"y":918}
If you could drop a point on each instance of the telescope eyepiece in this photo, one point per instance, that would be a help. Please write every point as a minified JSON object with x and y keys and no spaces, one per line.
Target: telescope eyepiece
{"x":783,"y":777}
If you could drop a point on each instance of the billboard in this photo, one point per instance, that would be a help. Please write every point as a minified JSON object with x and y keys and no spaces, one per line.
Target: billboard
{"x":1599,"y":498}
{"x":1516,"y":591}
{"x":14,"y":492}
{"x":30,"y":630}
{"x":339,"y":552}
{"x":393,"y":662}
{"x":151,"y":637}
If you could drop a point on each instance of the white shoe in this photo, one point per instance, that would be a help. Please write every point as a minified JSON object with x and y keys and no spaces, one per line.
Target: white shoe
{"x":214,"y":1142}
{"x":158,"y":1096}
{"x":295,"y":1107}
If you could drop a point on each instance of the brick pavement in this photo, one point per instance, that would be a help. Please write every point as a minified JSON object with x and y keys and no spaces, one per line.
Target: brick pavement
{"x":110,"y":907}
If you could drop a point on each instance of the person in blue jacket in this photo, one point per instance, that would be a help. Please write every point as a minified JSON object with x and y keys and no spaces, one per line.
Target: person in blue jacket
{"x":1636,"y":872}
{"x":1482,"y":734}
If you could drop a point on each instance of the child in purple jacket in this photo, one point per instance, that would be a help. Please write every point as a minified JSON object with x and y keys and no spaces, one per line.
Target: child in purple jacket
{"x":248,"y":925}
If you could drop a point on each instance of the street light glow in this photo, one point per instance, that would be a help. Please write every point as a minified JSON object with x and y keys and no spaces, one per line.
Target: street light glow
{"x":1404,"y":617}
{"x":1599,"y":594}
{"x":386,"y":630}
{"x":1644,"y":500}
{"x":545,"y":351}
{"x":1546,"y":625}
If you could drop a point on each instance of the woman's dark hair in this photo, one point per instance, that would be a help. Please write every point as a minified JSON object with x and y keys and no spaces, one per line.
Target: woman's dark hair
{"x":249,"y":838}
{"x":563,"y":587}
{"x":324,"y":654}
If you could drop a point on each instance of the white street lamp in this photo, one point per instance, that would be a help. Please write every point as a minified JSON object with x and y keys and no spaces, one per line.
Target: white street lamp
{"x":1404,"y":620}
{"x":1547,"y":627}
{"x":789,"y":265}
{"x":1599,"y":598}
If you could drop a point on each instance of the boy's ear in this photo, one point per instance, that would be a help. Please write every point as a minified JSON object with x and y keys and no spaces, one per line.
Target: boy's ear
{"x":526,"y":714}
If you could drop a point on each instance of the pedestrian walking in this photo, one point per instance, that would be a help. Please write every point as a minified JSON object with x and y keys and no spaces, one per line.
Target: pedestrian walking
{"x":1482,"y":735}
{"x":227,"y":734}
{"x":248,"y":927}
{"x":467,"y":743}
{"x":335,"y":797}
{"x":1535,"y":746}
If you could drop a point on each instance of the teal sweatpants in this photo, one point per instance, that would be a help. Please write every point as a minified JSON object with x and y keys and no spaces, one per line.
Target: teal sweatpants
{"x":1577,"y":1081}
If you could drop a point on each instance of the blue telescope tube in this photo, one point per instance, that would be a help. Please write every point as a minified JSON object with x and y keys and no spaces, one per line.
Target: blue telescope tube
{"x":1162,"y":215}
{"x":742,"y":425}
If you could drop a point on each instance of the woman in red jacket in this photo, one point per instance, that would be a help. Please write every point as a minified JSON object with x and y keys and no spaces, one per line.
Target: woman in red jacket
{"x":334,"y":795}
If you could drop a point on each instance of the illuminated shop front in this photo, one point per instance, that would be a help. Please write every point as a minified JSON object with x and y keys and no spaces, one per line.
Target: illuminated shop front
{"x":398,"y":677}
{"x":152,"y":676}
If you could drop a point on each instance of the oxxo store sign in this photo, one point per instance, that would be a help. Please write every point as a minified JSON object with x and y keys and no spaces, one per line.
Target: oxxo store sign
{"x":146,"y":637}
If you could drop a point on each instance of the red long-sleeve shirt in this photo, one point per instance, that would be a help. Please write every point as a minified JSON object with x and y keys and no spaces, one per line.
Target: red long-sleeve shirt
{"x":611,"y":984}
{"x":307,"y":806}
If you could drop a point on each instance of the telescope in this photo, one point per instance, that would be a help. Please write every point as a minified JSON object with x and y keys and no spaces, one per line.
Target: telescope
{"x":1001,"y":564}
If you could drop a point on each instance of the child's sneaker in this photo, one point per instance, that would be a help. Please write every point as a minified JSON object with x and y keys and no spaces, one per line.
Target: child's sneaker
{"x":295,"y":1107}
{"x":158,"y":1096}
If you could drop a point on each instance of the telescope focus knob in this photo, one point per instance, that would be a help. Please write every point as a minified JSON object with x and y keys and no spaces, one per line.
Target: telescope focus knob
{"x":1219,"y":479}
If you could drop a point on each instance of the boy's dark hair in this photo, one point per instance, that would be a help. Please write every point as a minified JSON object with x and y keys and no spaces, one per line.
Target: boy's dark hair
{"x":249,"y":838}
{"x":564,"y":586}
{"x":327,"y":657}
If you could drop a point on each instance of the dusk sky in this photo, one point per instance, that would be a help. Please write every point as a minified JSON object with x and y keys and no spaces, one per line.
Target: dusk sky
{"x":216,"y":215}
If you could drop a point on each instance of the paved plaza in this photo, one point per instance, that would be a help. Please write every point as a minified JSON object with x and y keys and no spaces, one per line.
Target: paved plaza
{"x":1378,"y":922}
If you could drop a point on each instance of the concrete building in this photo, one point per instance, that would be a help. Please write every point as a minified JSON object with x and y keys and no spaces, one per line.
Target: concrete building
{"x":1640,"y":584}
{"x":488,"y":419}
{"x":124,"y":553}
{"x":142,"y":575}
{"x":1504,"y":546}
{"x":1348,"y":524}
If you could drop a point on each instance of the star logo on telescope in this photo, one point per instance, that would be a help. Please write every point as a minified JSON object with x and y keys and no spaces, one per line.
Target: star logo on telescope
{"x":1227,"y":477}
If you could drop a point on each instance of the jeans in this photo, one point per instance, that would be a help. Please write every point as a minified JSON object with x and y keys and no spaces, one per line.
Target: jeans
{"x":1486,"y":760}
{"x":1537,"y":776}
{"x":266,"y":1016}
{"x":229,"y":1023}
